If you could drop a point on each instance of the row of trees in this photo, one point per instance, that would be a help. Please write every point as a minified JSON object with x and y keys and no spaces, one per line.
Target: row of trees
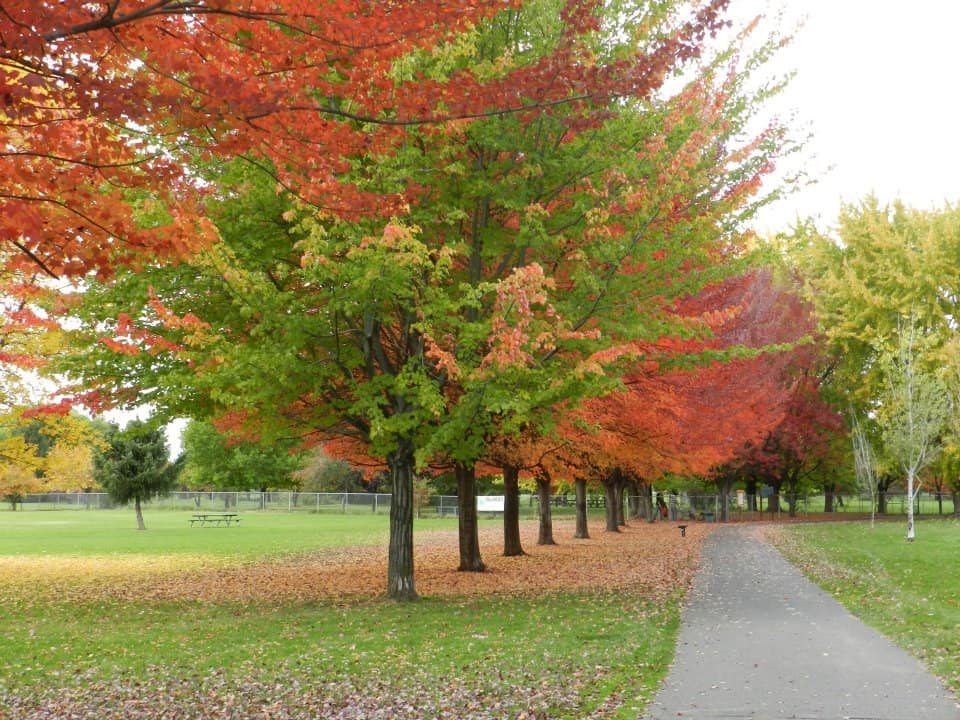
{"x":885,"y":286}
{"x":414,"y":250}
{"x":427,"y":236}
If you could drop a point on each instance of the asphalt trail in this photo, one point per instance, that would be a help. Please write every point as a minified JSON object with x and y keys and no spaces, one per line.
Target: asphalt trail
{"x":761,"y":641}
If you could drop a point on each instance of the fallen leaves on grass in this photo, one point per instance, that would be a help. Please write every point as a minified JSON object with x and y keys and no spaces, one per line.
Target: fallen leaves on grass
{"x":623,"y":575}
{"x":345,"y":699}
{"x":649,"y":558}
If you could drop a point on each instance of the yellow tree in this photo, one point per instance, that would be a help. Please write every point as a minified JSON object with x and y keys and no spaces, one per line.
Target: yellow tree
{"x":18,"y":469}
{"x":69,"y":468}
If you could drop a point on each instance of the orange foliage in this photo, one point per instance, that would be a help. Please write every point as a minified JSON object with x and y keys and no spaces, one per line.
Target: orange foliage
{"x":668,"y":564}
{"x":689,"y":421}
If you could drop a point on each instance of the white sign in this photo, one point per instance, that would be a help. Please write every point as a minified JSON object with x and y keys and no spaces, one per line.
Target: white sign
{"x":490,"y":503}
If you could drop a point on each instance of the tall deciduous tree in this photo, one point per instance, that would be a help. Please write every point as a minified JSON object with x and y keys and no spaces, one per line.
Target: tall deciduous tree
{"x":888,"y":281}
{"x":522,"y":245}
{"x":913,"y":415}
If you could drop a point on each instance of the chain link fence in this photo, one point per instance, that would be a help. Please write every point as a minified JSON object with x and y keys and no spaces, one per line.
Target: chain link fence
{"x":678,"y":506}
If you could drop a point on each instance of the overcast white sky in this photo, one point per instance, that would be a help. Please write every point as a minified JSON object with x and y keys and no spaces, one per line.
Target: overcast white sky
{"x":878,"y":81}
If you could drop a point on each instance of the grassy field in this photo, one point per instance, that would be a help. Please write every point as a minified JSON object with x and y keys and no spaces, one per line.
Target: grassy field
{"x":112,"y":532}
{"x":908,"y":591}
{"x":74,"y":647}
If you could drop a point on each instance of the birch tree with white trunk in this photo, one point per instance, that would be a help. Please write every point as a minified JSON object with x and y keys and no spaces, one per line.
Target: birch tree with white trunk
{"x":864,"y":464}
{"x":914,"y":413}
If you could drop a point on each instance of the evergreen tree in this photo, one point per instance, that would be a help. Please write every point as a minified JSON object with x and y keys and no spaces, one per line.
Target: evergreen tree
{"x":136,"y":466}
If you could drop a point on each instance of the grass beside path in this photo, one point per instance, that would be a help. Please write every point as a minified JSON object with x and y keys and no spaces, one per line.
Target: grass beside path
{"x":908,"y":591}
{"x":105,"y":629}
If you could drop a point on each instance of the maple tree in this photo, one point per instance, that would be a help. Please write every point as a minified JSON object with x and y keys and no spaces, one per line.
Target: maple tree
{"x":534,"y":454}
{"x":519,"y":245}
{"x":106,"y":100}
{"x":787,"y":426}
{"x":692,"y":400}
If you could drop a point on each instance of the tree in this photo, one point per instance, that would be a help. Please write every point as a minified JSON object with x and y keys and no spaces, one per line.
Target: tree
{"x":136,"y":466}
{"x":913,"y":415}
{"x":886,"y":291}
{"x":18,"y":470}
{"x":70,"y":468}
{"x":124,"y":94}
{"x":45,"y":449}
{"x":716,"y":391}
{"x":321,"y":473}
{"x":522,"y":245}
{"x":865,"y":465}
{"x":66,"y":443}
{"x":215,"y":461}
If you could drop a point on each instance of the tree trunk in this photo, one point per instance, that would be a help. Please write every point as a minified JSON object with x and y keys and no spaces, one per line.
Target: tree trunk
{"x":610,"y":492}
{"x":647,"y":509}
{"x":545,"y":536}
{"x":139,"y":511}
{"x":828,"y":500}
{"x":911,"y":529}
{"x":511,"y":512}
{"x":773,"y":502}
{"x":580,"y":488}
{"x":621,"y":515}
{"x":400,"y":584}
{"x":752,"y":490}
{"x":633,"y":499}
{"x":955,"y":496}
{"x":724,"y":486}
{"x":470,"y":560}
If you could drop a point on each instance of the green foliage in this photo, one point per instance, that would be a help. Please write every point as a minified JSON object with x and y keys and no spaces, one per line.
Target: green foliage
{"x":214,"y":461}
{"x":136,"y":466}
{"x":888,"y":279}
{"x":321,"y":473}
{"x":887,"y":268}
{"x":532,"y":244}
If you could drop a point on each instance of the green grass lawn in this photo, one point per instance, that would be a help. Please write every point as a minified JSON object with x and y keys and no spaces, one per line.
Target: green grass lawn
{"x":908,"y":591}
{"x":562,"y":655}
{"x":259,"y":534}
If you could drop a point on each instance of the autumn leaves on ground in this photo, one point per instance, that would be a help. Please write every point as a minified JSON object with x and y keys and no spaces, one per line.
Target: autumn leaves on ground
{"x":584,"y":628}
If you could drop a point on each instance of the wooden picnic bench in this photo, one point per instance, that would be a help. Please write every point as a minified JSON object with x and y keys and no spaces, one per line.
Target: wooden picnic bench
{"x":214,"y":519}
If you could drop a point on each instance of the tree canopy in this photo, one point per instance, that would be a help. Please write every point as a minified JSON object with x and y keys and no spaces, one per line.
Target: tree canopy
{"x":417,"y":243}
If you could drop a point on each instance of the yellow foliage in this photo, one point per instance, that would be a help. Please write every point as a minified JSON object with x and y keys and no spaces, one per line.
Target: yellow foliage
{"x":17,"y":481}
{"x":69,"y":468}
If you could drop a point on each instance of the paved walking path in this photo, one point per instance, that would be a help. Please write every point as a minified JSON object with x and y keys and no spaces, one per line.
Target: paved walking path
{"x":761,"y":641}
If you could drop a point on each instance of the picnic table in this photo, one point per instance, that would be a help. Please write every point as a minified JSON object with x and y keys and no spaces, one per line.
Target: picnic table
{"x":214,"y":519}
